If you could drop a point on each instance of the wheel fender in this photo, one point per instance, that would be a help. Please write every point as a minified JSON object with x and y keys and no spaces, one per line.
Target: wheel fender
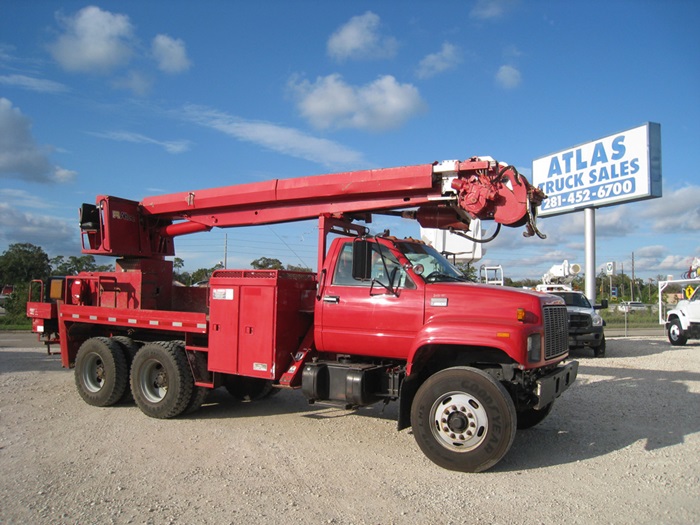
{"x":678,"y":315}
{"x":457,"y":332}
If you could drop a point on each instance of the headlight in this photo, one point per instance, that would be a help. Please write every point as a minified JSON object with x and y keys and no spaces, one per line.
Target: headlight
{"x":596,"y":320}
{"x":534,"y":348}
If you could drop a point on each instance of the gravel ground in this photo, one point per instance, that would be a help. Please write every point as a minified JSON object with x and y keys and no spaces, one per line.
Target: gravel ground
{"x":621,"y":446}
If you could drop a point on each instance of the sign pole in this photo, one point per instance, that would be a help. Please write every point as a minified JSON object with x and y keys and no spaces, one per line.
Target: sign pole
{"x":589,"y":238}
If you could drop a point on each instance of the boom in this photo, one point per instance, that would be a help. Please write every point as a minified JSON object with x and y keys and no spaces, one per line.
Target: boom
{"x":445,"y":195}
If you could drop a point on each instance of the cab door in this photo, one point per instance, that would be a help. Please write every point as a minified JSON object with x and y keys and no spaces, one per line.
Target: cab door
{"x":694,"y":306}
{"x":365,"y":317}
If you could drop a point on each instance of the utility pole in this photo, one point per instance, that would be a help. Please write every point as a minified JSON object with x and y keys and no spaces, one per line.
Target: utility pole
{"x":633,"y":284}
{"x":622,"y":280}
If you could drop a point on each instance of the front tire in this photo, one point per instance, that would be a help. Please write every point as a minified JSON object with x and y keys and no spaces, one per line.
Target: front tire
{"x":463,"y":419}
{"x":101,"y":372}
{"x":530,"y":417}
{"x":675,"y":333}
{"x":161,"y":379}
{"x":599,"y":351}
{"x":244,"y":388}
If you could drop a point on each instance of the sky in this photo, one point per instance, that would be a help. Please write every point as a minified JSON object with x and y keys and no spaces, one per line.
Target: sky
{"x":134,"y":99}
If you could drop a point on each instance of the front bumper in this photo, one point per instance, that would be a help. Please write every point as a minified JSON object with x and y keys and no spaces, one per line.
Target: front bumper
{"x":551,"y":386}
{"x":592,"y":336}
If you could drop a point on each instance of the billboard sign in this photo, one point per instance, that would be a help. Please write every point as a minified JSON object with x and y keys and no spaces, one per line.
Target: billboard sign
{"x":623,"y":167}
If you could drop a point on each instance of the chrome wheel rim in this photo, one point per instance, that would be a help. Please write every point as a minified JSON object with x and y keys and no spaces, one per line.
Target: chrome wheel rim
{"x":459,"y":421}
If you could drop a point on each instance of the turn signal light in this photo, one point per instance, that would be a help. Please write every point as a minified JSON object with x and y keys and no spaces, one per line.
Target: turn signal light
{"x":520,"y":314}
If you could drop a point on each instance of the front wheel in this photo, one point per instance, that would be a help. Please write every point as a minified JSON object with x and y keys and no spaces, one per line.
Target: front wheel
{"x":675,"y":333}
{"x":599,"y":351}
{"x":530,"y":417}
{"x":463,"y":419}
{"x":244,"y":388}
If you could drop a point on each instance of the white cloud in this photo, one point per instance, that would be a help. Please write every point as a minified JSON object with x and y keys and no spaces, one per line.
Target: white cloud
{"x":685,"y":214}
{"x":23,"y":199}
{"x":331,"y":103}
{"x":491,"y":9}
{"x":6,"y":53}
{"x":447,"y":58}
{"x":360,"y":39}
{"x":287,"y":141}
{"x":508,"y":77}
{"x":20,"y":156}
{"x":39,"y":85}
{"x":677,"y":263}
{"x":93,"y":41}
{"x":170,"y":53}
{"x":171,"y":146}
{"x":55,"y":235}
{"x":63,"y":175}
{"x":138,"y":83}
{"x":511,"y":52}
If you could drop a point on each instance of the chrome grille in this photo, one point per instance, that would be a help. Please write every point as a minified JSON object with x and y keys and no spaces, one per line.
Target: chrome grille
{"x":579,"y":320}
{"x":556,"y":331}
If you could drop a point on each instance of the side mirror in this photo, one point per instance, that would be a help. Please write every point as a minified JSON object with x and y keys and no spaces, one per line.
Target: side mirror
{"x":602,"y":306}
{"x":361,"y":260}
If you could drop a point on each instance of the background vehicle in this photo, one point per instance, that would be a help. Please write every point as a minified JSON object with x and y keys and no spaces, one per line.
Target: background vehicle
{"x":585,"y":324}
{"x":683,"y":322}
{"x":5,"y":292}
{"x":631,"y":306}
{"x":384,"y":319}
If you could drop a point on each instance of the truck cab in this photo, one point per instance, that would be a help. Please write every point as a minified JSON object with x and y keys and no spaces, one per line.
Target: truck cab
{"x":683,"y":322}
{"x":389,"y":297}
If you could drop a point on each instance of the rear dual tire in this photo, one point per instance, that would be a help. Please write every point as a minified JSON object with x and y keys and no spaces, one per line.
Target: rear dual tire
{"x":101,"y":372}
{"x":161,"y":380}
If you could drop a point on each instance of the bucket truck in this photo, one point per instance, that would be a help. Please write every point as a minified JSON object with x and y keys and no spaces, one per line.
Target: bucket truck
{"x":383,"y":319}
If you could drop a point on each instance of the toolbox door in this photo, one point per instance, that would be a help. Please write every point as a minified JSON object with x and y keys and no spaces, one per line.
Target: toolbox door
{"x":257,"y":331}
{"x":223,"y":322}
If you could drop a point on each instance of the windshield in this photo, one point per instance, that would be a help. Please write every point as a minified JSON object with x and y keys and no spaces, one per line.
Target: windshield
{"x":435,"y":266}
{"x":574,"y":299}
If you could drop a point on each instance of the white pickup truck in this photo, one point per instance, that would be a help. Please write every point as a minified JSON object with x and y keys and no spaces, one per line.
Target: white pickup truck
{"x":585,"y":324}
{"x":683,"y":322}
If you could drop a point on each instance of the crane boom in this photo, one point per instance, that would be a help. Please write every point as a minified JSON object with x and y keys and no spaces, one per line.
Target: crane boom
{"x":447,"y":195}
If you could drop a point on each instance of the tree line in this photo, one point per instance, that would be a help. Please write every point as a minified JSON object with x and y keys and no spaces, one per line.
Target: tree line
{"x":22,"y":263}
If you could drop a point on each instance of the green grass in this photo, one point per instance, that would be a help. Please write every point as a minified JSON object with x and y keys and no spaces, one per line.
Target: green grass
{"x":638,"y":319}
{"x":9,"y":323}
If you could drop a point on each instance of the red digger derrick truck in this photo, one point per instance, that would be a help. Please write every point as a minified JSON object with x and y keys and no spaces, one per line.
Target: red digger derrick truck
{"x":383,"y":319}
